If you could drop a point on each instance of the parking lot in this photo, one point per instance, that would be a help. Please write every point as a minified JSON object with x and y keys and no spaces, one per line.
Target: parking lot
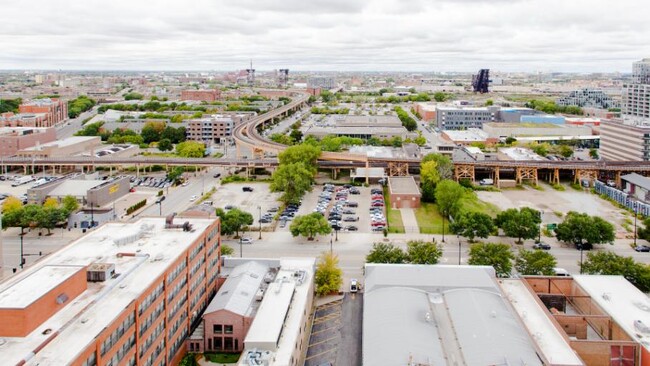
{"x":336,"y":333}
{"x":311,"y":201}
{"x":232,"y":195}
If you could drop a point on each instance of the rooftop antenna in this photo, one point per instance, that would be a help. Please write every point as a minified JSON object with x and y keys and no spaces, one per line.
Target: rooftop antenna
{"x":250,"y":75}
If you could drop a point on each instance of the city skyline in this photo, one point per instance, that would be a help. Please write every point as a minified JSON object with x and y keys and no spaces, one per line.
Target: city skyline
{"x":380,"y":35}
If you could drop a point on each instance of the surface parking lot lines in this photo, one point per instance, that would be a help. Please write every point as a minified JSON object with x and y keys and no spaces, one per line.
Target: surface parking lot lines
{"x":325,"y":334}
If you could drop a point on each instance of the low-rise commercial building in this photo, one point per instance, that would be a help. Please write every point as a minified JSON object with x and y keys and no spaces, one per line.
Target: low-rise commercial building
{"x":469,"y":136}
{"x":209,"y":130}
{"x":543,"y":119}
{"x":363,"y":127}
{"x":517,"y":154}
{"x":624,"y":141}
{"x":70,"y":146}
{"x":13,"y":139}
{"x":124,"y":294}
{"x":460,"y":118}
{"x":37,"y":120}
{"x":427,"y":111}
{"x":501,"y":130}
{"x":441,"y":315}
{"x":404,"y":192}
{"x":201,"y":95}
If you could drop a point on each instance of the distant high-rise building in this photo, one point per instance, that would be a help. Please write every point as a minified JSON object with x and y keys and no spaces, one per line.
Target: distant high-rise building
{"x":322,"y":82}
{"x":283,"y":77}
{"x":636,"y":96}
{"x":250,"y":75}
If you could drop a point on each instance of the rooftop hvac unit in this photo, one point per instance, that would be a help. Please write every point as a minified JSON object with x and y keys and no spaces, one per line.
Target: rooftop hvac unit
{"x":99,"y":272}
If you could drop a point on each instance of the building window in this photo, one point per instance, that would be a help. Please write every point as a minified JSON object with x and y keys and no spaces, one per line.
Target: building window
{"x":227,"y":343}
{"x":218,"y":345}
{"x":228,"y":329}
{"x":217,"y":329}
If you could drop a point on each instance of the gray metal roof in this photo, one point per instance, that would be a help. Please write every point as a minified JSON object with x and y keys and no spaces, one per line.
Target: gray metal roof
{"x":637,"y":180}
{"x":440,"y":315}
{"x":237,"y":294}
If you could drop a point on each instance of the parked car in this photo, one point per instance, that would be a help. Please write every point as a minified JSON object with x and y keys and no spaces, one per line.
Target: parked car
{"x":350,"y":219}
{"x":642,"y":248}
{"x":193,"y":198}
{"x":246,"y":241}
{"x":542,"y":246}
{"x":354,"y":285}
{"x":247,"y":189}
{"x":216,"y":175}
{"x":351,"y":228}
{"x":352,"y":204}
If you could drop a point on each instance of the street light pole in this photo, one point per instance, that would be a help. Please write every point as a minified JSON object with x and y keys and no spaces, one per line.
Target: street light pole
{"x":331,"y":247}
{"x":539,"y":231}
{"x":259,"y":208}
{"x":635,"y":214}
{"x":336,"y":231}
{"x":458,"y":236}
{"x":443,"y":227}
{"x":22,"y":256}
{"x":241,"y":247}
{"x":581,"y":248}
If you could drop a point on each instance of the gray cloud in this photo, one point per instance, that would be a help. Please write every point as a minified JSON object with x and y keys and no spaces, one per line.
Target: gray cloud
{"x":408,"y":35}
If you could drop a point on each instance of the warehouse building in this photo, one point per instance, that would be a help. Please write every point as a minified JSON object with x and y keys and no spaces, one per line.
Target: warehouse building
{"x":125,"y":294}
{"x":404,"y":192}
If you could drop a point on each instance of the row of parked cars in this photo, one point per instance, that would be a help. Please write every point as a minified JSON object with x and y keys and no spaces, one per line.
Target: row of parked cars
{"x":377,"y":216}
{"x":342,"y":211}
{"x":288,"y":213}
{"x":151,"y":182}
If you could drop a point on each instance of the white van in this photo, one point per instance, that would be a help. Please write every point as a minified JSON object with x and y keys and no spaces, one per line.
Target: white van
{"x":354,"y":285}
{"x":561,"y":272}
{"x":486,"y":182}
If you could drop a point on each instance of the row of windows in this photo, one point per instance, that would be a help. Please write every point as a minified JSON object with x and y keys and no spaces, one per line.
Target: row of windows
{"x":196,"y":298}
{"x":159,"y":349}
{"x":117,"y":334}
{"x":196,"y":251}
{"x":179,"y":304}
{"x":176,"y":271}
{"x":180,"y":321}
{"x":196,"y":266}
{"x":119,"y":355}
{"x":91,"y":360}
{"x":151,"y":298}
{"x":177,"y":344}
{"x":214,"y":232}
{"x":146,"y":323}
{"x":152,"y":338}
{"x":197,"y":281}
{"x":212,"y":247}
{"x":179,"y":286}
{"x":222,"y":328}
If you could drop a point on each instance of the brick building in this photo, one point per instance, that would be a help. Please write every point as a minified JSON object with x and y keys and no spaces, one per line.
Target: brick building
{"x":201,"y":95}
{"x":9,"y":119}
{"x":17,"y":138}
{"x":56,"y":110}
{"x":125,"y":294}
{"x":209,"y":130}
{"x":404,"y":192}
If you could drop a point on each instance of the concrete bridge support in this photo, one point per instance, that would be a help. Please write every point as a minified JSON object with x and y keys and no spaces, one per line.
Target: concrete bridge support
{"x":464,"y":172}
{"x":396,"y":169}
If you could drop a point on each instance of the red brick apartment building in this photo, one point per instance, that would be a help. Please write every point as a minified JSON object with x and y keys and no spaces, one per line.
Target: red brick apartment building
{"x":124,"y":294}
{"x":14,"y":139}
{"x":56,"y":110}
{"x":201,"y":95}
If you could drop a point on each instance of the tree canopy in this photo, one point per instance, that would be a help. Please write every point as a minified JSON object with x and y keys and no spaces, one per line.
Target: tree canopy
{"x":472,"y":225}
{"x":422,"y":252}
{"x":303,"y":153}
{"x":310,"y":225}
{"x":293,"y":180}
{"x":608,"y":263}
{"x":520,"y":223}
{"x":385,"y":253}
{"x":232,"y":221}
{"x":535,"y":262}
{"x":443,"y":163}
{"x":498,"y":256}
{"x":448,"y":195}
{"x":329,"y":276}
{"x":190,"y":149}
{"x":580,"y":228}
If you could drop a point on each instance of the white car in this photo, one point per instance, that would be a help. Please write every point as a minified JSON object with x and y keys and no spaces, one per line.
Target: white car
{"x":354,"y":285}
{"x":246,"y":240}
{"x":193,"y":198}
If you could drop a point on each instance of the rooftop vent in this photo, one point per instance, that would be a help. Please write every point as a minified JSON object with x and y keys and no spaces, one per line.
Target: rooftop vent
{"x":169,"y":223}
{"x":100,"y":272}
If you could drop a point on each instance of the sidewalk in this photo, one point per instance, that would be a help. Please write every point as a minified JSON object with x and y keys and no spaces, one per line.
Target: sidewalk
{"x":409,"y":220}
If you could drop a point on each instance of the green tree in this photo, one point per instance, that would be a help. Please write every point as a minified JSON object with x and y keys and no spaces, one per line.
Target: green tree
{"x":70,"y":204}
{"x":540,"y":149}
{"x":190,"y":149}
{"x":328,"y":277}
{"x":489,"y":102}
{"x":226,"y":250}
{"x":152,"y":131}
{"x":165,"y":145}
{"x":175,"y":135}
{"x":310,"y":225}
{"x":443,"y":164}
{"x":580,"y":228}
{"x":498,"y":256}
{"x":535,"y":262}
{"x":422,"y":252}
{"x":296,"y":135}
{"x":79,"y":105}
{"x":565,"y":150}
{"x":593,"y":153}
{"x":133,"y":96}
{"x":521,"y":224}
{"x":50,"y":202}
{"x":429,"y":178}
{"x":326,"y":96}
{"x":175,"y":174}
{"x":233,"y":220}
{"x":293,"y":179}
{"x":472,"y":225}
{"x":386,"y":253}
{"x":608,"y":263}
{"x":440,"y":96}
{"x":303,"y":153}
{"x":48,"y":218}
{"x":448,"y":195}
{"x":281,"y":138}
{"x":510,"y":140}
{"x":10,"y":105}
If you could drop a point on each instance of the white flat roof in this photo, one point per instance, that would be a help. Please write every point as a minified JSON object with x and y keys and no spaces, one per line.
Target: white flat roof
{"x":621,"y":300}
{"x":75,"y":187}
{"x":86,"y":316}
{"x":32,"y":287}
{"x":547,"y":337}
{"x":62,"y":143}
{"x":265,"y":331}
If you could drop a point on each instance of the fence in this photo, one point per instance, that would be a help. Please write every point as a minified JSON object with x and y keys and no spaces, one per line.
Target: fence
{"x":624,"y":199}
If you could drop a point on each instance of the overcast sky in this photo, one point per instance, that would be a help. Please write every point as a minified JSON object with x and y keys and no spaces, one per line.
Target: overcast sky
{"x":368,"y":35}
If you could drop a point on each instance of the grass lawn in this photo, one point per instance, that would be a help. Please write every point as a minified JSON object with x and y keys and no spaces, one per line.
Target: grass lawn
{"x":471,"y":203}
{"x":393,"y":217}
{"x":222,"y":357}
{"x":429,"y":219}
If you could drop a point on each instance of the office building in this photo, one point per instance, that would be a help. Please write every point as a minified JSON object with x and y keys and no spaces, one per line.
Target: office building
{"x":363,"y":127}
{"x":55,"y":110}
{"x":594,"y":98}
{"x":124,"y":294}
{"x":322,"y":82}
{"x":441,"y":315}
{"x":70,"y":146}
{"x":201,"y":95}
{"x":460,"y":118}
{"x":13,"y":139}
{"x":209,"y":130}
{"x":624,"y":140}
{"x":404,"y":192}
